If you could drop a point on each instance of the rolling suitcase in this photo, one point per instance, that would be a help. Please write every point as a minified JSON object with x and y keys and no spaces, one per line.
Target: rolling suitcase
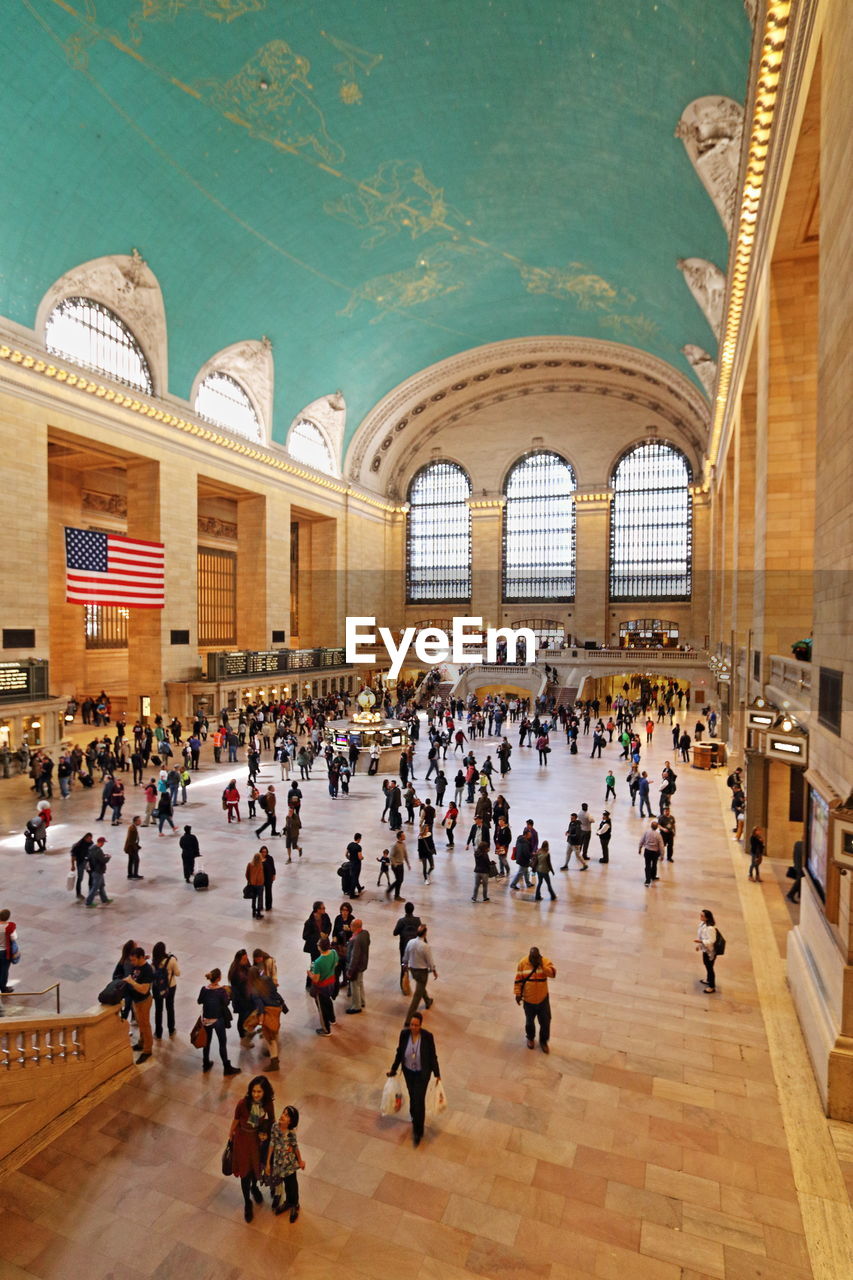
{"x":201,"y":880}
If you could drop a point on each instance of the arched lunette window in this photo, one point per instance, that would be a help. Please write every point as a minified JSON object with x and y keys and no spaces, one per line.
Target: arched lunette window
{"x":221,"y":400}
{"x":539,"y":529}
{"x":306,"y":443}
{"x":91,"y":335}
{"x":438,"y":547}
{"x":651,"y":525}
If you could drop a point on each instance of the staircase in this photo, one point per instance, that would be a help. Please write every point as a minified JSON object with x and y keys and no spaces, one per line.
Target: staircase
{"x":567,"y":697}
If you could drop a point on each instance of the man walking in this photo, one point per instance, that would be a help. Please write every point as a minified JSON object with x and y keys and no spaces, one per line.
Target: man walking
{"x":651,"y":848}
{"x":531,"y":991}
{"x":574,"y":843}
{"x":189,"y":852}
{"x":643,"y":793}
{"x":418,"y":959}
{"x":399,"y":859}
{"x":358,"y":949}
{"x":585,"y":819}
{"x":481,"y":871}
{"x":267,"y":803}
{"x":98,"y":859}
{"x":405,"y":929}
{"x":131,"y":848}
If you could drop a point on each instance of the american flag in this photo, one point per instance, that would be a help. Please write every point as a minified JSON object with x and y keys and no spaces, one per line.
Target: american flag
{"x":109,"y":568}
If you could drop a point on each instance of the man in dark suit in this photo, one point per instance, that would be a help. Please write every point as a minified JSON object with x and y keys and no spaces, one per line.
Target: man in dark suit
{"x":416,"y":1055}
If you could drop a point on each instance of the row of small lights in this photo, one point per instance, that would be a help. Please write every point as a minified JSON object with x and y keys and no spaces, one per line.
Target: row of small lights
{"x":101,"y":392}
{"x":772,"y":54}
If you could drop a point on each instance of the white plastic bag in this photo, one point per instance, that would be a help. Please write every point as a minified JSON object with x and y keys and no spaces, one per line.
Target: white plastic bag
{"x":71,"y":880}
{"x":436,"y":1098}
{"x":392,"y":1097}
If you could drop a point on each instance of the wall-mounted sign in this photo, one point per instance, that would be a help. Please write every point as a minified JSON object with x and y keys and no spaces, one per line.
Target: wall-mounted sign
{"x":842,"y":841}
{"x":794,"y":749}
{"x":760,"y":719}
{"x":21,"y":681}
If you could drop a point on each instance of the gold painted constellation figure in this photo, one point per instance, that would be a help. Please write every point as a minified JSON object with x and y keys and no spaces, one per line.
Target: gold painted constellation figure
{"x":220,"y":10}
{"x":350,"y":90}
{"x":399,"y":197}
{"x":586,"y":289}
{"x":435,"y":274}
{"x":271,"y":94}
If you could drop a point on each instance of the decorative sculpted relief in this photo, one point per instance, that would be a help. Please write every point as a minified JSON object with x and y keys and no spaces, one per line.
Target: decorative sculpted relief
{"x":111,"y":504}
{"x":214,"y":528}
{"x":707,"y":283}
{"x":711,"y":129}
{"x":751,"y":7}
{"x":704,"y":367}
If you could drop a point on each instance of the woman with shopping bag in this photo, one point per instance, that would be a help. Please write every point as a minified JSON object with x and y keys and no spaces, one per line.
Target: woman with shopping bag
{"x":416,"y":1055}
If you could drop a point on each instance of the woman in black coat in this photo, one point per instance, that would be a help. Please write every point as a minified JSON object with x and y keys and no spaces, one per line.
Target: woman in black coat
{"x":416,"y":1046}
{"x":318,"y":923}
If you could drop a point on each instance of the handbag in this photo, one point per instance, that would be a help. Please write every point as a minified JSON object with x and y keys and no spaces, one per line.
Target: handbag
{"x":791,"y":873}
{"x":405,"y":983}
{"x":198,"y":1036}
{"x":228,"y":1159}
{"x":248,"y":891}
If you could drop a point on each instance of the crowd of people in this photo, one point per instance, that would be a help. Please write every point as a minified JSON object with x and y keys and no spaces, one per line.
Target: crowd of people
{"x":164,"y":758}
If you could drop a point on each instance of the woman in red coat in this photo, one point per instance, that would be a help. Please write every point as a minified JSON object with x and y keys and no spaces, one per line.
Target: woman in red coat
{"x":250,"y":1135}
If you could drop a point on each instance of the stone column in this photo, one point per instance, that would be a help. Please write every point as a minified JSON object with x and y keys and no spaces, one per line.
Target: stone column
{"x":589,"y":613}
{"x":486,"y":561}
{"x":144,"y":628}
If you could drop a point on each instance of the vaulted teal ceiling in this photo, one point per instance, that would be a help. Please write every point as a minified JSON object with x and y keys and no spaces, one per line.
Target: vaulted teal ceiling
{"x":376,"y":186}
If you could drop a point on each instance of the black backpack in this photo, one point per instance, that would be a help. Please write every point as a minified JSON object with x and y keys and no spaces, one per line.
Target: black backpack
{"x":262,"y":801}
{"x":719,"y":945}
{"x":160,"y":985}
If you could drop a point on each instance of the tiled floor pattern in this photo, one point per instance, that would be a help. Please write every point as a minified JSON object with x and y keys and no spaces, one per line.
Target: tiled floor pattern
{"x":650,"y":1143}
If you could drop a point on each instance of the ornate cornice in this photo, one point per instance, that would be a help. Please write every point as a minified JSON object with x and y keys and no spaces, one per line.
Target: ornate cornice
{"x":446,"y":391}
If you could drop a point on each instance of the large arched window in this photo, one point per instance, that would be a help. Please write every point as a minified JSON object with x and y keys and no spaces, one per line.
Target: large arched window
{"x":306,"y":443}
{"x":221,"y":400}
{"x":539,"y":530}
{"x":651,"y":525}
{"x":438,"y":550}
{"x":91,"y":335}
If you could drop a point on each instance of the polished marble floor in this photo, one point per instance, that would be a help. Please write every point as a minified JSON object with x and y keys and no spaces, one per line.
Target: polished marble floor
{"x":650,"y":1143}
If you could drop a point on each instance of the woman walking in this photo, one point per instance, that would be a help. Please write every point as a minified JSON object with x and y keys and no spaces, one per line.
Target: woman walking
{"x":416,"y":1055}
{"x":756,"y":853}
{"x":292,"y":828}
{"x":215,"y":1017}
{"x":231,"y":801}
{"x":165,"y":811}
{"x":255,"y":882}
{"x":250,"y":1134}
{"x":164,"y":987}
{"x":706,"y":942}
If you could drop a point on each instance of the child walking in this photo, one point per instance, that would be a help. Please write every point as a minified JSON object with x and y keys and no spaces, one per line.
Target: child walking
{"x":283,"y":1159}
{"x":384,"y":865}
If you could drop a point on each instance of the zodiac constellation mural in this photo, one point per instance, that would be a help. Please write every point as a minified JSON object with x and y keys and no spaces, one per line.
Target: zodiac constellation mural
{"x":398,"y":198}
{"x":435,"y":274}
{"x":272,"y":95}
{"x":350,"y":90}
